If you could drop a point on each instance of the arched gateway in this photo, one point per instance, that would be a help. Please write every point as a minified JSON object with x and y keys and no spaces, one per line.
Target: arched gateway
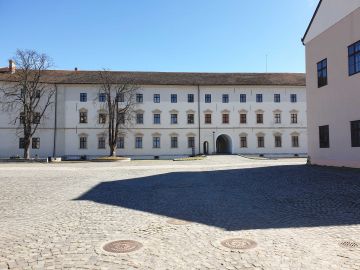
{"x":223,"y":144}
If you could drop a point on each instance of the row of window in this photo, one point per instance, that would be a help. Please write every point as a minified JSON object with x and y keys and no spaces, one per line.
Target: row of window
{"x":35,"y":143}
{"x":190,"y":98}
{"x":353,"y":64}
{"x":83,"y":119}
{"x":324,"y":135}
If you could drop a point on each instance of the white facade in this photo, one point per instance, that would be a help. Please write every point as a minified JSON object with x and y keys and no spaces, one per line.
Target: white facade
{"x":65,"y":139}
{"x":333,"y":94}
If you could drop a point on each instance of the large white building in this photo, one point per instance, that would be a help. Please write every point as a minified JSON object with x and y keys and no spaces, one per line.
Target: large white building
{"x":177,"y":113}
{"x":332,"y":43}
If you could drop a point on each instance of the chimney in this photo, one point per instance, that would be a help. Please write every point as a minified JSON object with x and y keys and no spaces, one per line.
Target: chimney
{"x":12,"y":66}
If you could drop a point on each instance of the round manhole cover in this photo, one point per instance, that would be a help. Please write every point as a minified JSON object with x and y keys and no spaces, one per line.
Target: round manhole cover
{"x":349,"y":244}
{"x":122,"y":246}
{"x":238,"y":243}
{"x":177,"y":222}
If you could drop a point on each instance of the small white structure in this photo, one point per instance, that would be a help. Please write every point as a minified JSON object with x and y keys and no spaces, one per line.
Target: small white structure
{"x":332,"y":43}
{"x":178,"y":114}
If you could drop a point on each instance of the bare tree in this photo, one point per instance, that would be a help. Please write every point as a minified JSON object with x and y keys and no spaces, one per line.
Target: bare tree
{"x":120,"y":101}
{"x":27,"y":97}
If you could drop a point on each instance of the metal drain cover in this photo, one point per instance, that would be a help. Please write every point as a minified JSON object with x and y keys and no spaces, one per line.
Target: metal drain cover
{"x":177,"y":222}
{"x":122,"y":246}
{"x":238,"y":243}
{"x":349,"y":244}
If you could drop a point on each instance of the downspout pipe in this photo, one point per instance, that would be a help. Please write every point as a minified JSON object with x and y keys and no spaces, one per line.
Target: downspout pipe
{"x":199,"y":123}
{"x":55,"y":121}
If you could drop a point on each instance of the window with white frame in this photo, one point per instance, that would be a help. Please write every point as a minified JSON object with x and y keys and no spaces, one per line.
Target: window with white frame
{"x":295,"y":141}
{"x":120,"y":142}
{"x":191,"y":142}
{"x":277,"y":141}
{"x":174,"y":142}
{"x":101,"y":142}
{"x":277,"y":118}
{"x":156,"y":142}
{"x":243,"y":141}
{"x":83,"y":142}
{"x":138,"y":142}
{"x":174,"y":118}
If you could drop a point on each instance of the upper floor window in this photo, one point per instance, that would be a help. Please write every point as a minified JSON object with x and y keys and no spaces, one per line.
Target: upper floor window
{"x":243,"y":118}
{"x":242,"y":98}
{"x":139,"y":98}
{"x":324,"y":136}
{"x":174,"y":118}
{"x":259,"y":98}
{"x":190,"y":118}
{"x":354,"y":58}
{"x":207,"y":98}
{"x":173,"y":98}
{"x":83,"y":117}
{"x":120,"y":97}
{"x":322,"y":73}
{"x":355,"y":133}
{"x":102,"y":118}
{"x":156,"y":118}
{"x":225,"y":118}
{"x":293,"y":98}
{"x":156,"y":142}
{"x":294,"y":118}
{"x":140,"y":118}
{"x":102,"y":97}
{"x":225,"y":98}
{"x":35,"y":144}
{"x":101,"y":142}
{"x":121,"y":118}
{"x":36,"y":118}
{"x":208,"y":118}
{"x":191,"y":98}
{"x":277,"y":98}
{"x":83,"y":97}
{"x":156,"y":98}
{"x":259,"y":118}
{"x":277,"y":118}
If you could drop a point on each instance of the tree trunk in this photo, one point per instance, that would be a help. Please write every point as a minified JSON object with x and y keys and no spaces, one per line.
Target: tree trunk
{"x":112,"y":150}
{"x":26,"y":150}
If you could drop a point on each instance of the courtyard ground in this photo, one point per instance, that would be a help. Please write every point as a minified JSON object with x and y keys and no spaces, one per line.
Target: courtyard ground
{"x":294,"y":216}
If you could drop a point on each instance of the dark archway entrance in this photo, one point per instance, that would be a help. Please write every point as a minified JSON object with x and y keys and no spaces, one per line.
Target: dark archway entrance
{"x":206,"y":148}
{"x":223,"y":144}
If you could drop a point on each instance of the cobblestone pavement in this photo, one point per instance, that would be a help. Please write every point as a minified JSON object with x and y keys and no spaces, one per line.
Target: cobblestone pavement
{"x":59,"y":216}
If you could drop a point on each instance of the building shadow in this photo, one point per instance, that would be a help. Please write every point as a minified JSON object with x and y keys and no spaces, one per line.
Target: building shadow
{"x":242,"y":199}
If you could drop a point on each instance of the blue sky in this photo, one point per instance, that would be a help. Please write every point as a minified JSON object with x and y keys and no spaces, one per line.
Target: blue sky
{"x":159,"y":35}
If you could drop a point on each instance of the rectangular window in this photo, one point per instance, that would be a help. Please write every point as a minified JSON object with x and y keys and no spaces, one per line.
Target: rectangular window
{"x":324,"y":136}
{"x":277,"y":98}
{"x":243,"y":119}
{"x":191,"y":98}
{"x":22,"y":118}
{"x":139,"y":98}
{"x":156,"y":118}
{"x":322,"y":73}
{"x":174,"y":142}
{"x":102,"y":97}
{"x":259,"y":118}
{"x":173,"y":98}
{"x":83,"y":142}
{"x":208,"y":118}
{"x":121,"y":118}
{"x":191,"y":142}
{"x":354,"y":58}
{"x":156,"y":98}
{"x":242,"y":98}
{"x":225,"y":118}
{"x":83,"y":117}
{"x":156,"y":142}
{"x":295,"y":141}
{"x":243,"y":142}
{"x":277,"y":118}
{"x":101,"y":143}
{"x":37,"y":94}
{"x":294,"y":118}
{"x":35,"y":143}
{"x":174,"y":118}
{"x":277,"y":141}
{"x":138,"y":142}
{"x":261,"y":142}
{"x":83,"y":97}
{"x":259,"y":98}
{"x":207,"y":98}
{"x":293,"y":98}
{"x":139,"y":118}
{"x":102,"y":118}
{"x":190,"y":118}
{"x":120,"y":97}
{"x":225,"y":98}
{"x":21,"y":143}
{"x":36,"y":118}
{"x":120,"y":142}
{"x":355,"y":133}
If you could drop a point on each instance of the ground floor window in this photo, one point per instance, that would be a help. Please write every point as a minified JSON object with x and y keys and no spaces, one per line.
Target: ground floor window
{"x":208,"y":118}
{"x":355,"y":133}
{"x":295,"y":141}
{"x":21,"y":143}
{"x":138,"y":142}
{"x":294,"y":118}
{"x":35,"y":143}
{"x":278,"y":141}
{"x":156,"y":142}
{"x":324,"y":136}
{"x":101,"y":142}
{"x":243,"y":141}
{"x":261,"y":142}
{"x":83,"y":142}
{"x":191,"y":142}
{"x":243,"y":118}
{"x":120,"y":143}
{"x":174,"y":142}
